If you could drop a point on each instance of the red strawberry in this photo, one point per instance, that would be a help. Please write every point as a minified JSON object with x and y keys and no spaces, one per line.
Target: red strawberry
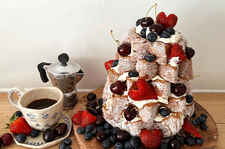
{"x":176,"y":51}
{"x":19,"y":125}
{"x":108,"y":64}
{"x":190,"y":128}
{"x":87,"y":119}
{"x":144,"y":92}
{"x":169,"y":21}
{"x":76,"y":119}
{"x":151,"y":139}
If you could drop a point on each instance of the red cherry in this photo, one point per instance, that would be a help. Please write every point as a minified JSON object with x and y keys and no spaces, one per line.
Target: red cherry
{"x":145,"y":22}
{"x":61,"y":129}
{"x":130,"y":112}
{"x":156,"y":28}
{"x":100,"y":136}
{"x":124,"y":49}
{"x":121,"y":135}
{"x":178,"y":89}
{"x":117,"y":88}
{"x":189,"y":52}
{"x":6,"y":139}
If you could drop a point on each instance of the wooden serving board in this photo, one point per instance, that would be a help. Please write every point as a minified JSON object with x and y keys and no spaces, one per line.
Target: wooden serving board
{"x":210,"y":136}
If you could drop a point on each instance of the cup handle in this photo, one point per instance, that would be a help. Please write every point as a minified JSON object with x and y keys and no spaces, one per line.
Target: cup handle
{"x":10,"y":97}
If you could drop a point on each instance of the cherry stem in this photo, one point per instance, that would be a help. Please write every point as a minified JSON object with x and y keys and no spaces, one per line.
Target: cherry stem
{"x":59,"y":121}
{"x":88,"y":108}
{"x":155,"y":14}
{"x":133,"y":109}
{"x":111,"y":73}
{"x":117,"y":41}
{"x":121,"y":120}
{"x":149,"y":10}
{"x":189,"y":79}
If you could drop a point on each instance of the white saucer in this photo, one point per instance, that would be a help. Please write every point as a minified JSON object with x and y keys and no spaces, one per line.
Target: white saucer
{"x":38,"y":142}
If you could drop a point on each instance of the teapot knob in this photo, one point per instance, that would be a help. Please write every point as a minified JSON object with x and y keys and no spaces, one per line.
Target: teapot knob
{"x":63,"y":58}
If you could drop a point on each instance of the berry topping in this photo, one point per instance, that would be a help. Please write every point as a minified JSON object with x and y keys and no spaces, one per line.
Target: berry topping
{"x":176,"y":51}
{"x":144,"y":91}
{"x":189,"y":140}
{"x":138,"y":22}
{"x":152,"y":37}
{"x":179,"y":138}
{"x":170,"y":30}
{"x":133,"y":73}
{"x":77,"y":118}
{"x":189,"y":52}
{"x":100,"y":136}
{"x":143,"y":32}
{"x":149,"y":57}
{"x":89,"y":128}
{"x":189,"y":98}
{"x":34,"y":133}
{"x":124,"y":49}
{"x":88,"y":136}
{"x":108,"y":64}
{"x":49,"y":135}
{"x":6,"y":139}
{"x":100,"y":120}
{"x":117,"y":87}
{"x":67,"y":141}
{"x":169,"y":21}
{"x":118,"y":145}
{"x":165,"y":35}
{"x":91,"y":105}
{"x":203,"y":126}
{"x":106,"y":143}
{"x":151,"y":139}
{"x":174,"y":144}
{"x":87,"y":119}
{"x":204,"y":115}
{"x":178,"y":89}
{"x":21,"y":138}
{"x":190,"y":128}
{"x":100,"y":101}
{"x":146,"y":21}
{"x":156,"y":28}
{"x":91,"y":96}
{"x":61,"y":129}
{"x":80,"y":130}
{"x":97,"y":111}
{"x":115,"y":63}
{"x":164,"y":112}
{"x":199,"y":141}
{"x":130,"y":113}
{"x":121,"y":135}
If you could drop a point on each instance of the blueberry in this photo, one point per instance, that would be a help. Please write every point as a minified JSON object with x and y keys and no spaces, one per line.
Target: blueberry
{"x":204,"y":115}
{"x":197,"y":121}
{"x":100,"y":128}
{"x":189,"y":98}
{"x":143,"y":33}
{"x":100,"y":101}
{"x":164,"y":112}
{"x":115,"y":130}
{"x":203,"y":126}
{"x":133,"y":73}
{"x":93,"y":132}
{"x":68,"y":147}
{"x":115,"y":63}
{"x":108,"y":132}
{"x":193,"y":122}
{"x":91,"y":96}
{"x":127,"y":145}
{"x":62,"y":146}
{"x":199,"y":141}
{"x":189,"y":140}
{"x":165,"y":35}
{"x":202,"y":119}
{"x":107,"y":125}
{"x":87,"y":136}
{"x":179,"y":138}
{"x":34,"y":133}
{"x":21,"y":138}
{"x":89,"y":128}
{"x":18,"y":113}
{"x":170,"y":30}
{"x":163,"y":145}
{"x":118,"y":145}
{"x":152,"y":37}
{"x":112,"y":139}
{"x":67,"y":141}
{"x":80,"y":130}
{"x":149,"y":57}
{"x":138,"y":22}
{"x":106,"y":143}
{"x":134,"y":142}
{"x":194,"y":114}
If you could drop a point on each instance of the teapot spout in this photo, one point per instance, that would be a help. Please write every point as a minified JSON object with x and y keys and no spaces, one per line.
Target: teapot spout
{"x":79,"y":75}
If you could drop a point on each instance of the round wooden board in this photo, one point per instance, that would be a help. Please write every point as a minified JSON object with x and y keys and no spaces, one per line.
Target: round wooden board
{"x":210,"y":136}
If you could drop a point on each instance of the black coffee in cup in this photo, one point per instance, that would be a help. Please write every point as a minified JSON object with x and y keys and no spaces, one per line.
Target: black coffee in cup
{"x":41,"y":103}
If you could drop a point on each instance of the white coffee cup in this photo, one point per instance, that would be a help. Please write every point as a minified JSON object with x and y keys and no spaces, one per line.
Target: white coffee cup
{"x":40,"y":119}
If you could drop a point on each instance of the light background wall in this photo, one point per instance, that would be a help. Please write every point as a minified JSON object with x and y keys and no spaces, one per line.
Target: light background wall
{"x":33,"y":31}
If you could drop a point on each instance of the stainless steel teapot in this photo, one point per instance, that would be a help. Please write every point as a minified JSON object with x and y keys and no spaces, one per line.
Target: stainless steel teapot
{"x":64,"y":75}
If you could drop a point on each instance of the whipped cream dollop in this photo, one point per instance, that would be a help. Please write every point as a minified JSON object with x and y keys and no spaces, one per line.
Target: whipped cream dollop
{"x":173,"y":61}
{"x":173,"y":38}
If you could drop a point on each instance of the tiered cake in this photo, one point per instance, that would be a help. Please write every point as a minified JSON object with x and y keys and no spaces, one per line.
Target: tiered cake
{"x":148,"y":81}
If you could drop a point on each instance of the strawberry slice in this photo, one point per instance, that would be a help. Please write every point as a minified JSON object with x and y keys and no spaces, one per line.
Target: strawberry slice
{"x":77,"y":118}
{"x":87,"y":119}
{"x":190,"y":128}
{"x":151,"y":139}
{"x":144,"y":92}
{"x":169,"y":21}
{"x":108,"y":64}
{"x":176,"y":51}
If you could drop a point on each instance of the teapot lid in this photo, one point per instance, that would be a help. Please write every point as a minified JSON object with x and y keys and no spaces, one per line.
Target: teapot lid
{"x":64,"y":67}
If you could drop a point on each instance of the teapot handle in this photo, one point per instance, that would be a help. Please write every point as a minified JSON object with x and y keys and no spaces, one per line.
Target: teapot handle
{"x":42,"y":71}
